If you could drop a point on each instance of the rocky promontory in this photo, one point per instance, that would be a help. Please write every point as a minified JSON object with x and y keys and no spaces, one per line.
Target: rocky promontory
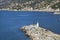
{"x":34,"y":32}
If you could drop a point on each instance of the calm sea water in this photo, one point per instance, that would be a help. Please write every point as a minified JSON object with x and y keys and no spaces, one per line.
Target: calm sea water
{"x":11,"y":21}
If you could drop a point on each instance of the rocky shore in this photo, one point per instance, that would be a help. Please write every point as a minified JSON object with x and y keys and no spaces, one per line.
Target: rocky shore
{"x":34,"y":32}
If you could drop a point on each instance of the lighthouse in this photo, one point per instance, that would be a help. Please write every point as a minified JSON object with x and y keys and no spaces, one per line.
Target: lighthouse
{"x":37,"y":24}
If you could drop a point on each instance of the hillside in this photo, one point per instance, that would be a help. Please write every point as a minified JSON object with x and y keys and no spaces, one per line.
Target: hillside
{"x":30,"y":4}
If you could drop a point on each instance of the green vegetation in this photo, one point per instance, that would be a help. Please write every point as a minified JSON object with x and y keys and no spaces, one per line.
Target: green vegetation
{"x":35,"y":4}
{"x":55,"y":6}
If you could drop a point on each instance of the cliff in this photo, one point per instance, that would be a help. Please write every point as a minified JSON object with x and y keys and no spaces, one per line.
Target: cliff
{"x":34,"y":32}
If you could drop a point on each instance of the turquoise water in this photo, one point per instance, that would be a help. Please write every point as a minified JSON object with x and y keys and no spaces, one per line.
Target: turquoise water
{"x":11,"y":21}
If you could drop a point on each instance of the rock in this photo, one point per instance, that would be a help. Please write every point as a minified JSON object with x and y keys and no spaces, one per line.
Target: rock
{"x":38,"y":33}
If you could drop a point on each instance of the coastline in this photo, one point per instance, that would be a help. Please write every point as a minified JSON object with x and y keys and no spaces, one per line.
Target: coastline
{"x":55,"y":12}
{"x":47,"y":10}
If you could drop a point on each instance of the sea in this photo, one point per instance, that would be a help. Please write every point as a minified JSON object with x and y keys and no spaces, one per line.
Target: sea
{"x":12,"y":21}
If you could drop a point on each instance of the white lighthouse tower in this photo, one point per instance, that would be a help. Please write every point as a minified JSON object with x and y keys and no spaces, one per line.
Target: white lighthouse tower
{"x":37,"y":24}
